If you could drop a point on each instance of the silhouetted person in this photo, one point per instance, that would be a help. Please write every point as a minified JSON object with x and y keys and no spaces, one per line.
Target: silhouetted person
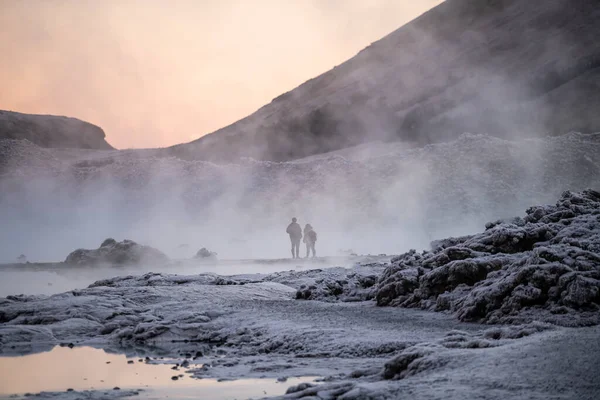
{"x":310,"y":238}
{"x":295,"y":233}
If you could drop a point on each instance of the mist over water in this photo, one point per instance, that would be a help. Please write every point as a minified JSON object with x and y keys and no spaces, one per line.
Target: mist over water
{"x":388,"y":202}
{"x":237,"y":211}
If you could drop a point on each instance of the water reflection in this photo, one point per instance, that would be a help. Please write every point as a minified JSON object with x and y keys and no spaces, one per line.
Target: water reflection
{"x":87,"y":368}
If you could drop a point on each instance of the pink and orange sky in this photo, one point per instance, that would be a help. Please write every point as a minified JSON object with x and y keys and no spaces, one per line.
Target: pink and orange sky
{"x":156,"y":73}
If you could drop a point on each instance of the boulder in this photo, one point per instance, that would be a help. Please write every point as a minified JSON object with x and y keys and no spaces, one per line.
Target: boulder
{"x":117,"y":253}
{"x":205,"y":253}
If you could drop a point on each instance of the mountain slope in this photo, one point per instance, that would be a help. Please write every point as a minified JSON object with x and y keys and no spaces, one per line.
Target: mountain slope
{"x":52,"y":131}
{"x":501,"y":67}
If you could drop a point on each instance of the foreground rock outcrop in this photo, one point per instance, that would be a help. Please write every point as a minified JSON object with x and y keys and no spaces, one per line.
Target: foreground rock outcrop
{"x":119,"y":253}
{"x":545,"y":266}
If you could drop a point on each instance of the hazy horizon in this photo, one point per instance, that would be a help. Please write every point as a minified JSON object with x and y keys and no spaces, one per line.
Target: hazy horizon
{"x":158,"y":73}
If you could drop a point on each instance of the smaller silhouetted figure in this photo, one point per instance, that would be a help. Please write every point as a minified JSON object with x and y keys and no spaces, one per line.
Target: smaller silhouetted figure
{"x":295,"y":232}
{"x":310,"y":238}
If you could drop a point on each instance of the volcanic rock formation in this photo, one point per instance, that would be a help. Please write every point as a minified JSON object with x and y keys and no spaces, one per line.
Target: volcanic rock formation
{"x":117,"y":253}
{"x":543,"y":266}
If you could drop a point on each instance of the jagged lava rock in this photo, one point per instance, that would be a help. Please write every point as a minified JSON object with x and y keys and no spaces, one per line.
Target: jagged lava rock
{"x":545,"y":266}
{"x":113,"y":252}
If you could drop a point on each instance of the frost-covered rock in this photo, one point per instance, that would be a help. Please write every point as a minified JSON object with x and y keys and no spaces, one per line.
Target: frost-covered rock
{"x":113,"y":252}
{"x":543,"y":266}
{"x":332,"y":284}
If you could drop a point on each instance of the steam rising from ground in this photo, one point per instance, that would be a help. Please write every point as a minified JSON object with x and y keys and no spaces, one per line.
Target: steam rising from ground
{"x":389,"y":201}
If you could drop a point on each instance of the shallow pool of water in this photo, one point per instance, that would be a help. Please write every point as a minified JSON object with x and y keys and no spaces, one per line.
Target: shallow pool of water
{"x":88,"y":368}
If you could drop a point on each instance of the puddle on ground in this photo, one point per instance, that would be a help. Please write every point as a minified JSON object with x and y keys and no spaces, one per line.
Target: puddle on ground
{"x":88,"y":368}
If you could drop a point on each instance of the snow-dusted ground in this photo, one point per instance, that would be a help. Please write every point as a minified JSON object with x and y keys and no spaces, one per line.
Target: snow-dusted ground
{"x":559,"y":364}
{"x":241,"y":330}
{"x":255,"y":330}
{"x":255,"y":326}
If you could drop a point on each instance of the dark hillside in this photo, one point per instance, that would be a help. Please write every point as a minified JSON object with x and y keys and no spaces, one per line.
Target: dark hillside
{"x":502,"y":67}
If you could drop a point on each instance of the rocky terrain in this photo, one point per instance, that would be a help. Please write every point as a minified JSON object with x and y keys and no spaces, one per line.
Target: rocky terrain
{"x":52,"y":131}
{"x":502,"y":67}
{"x":545,"y":266}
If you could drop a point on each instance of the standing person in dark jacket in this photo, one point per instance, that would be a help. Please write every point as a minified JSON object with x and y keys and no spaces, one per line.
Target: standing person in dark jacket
{"x":295,"y":232}
{"x":310,"y":238}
